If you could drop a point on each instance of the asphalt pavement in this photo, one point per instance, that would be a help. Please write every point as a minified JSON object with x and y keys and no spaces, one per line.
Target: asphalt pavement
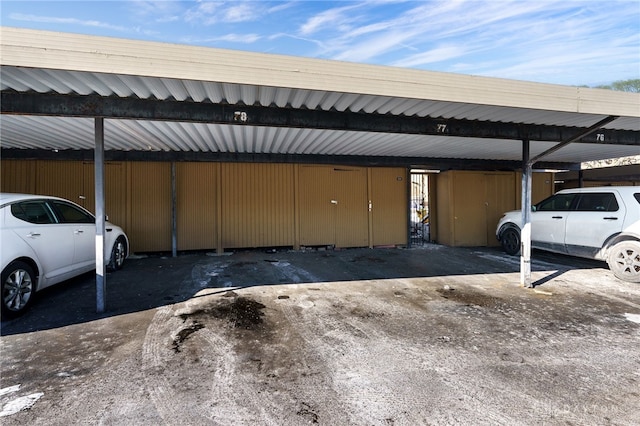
{"x":427,"y":335}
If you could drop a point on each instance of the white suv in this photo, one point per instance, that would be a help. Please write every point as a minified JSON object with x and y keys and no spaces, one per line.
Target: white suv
{"x":597,"y":223}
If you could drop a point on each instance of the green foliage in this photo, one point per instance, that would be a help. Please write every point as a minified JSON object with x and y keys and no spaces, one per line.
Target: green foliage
{"x":632,"y":85}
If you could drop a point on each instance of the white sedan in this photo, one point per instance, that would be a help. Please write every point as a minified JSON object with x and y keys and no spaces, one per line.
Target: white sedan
{"x":46,"y":240}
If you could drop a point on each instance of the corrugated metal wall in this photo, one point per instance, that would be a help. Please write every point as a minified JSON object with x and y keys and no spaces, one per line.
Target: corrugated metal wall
{"x":150,"y":206}
{"x":231,"y":205}
{"x":63,"y":179}
{"x":116,"y":191}
{"x":470,"y":204}
{"x":197,"y":205}
{"x":443,"y":223}
{"x":19,"y":176}
{"x":257,"y":205}
{"x":500,"y":198}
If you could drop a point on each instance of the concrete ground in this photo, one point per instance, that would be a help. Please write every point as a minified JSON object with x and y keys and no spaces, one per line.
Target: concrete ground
{"x":431,"y":335}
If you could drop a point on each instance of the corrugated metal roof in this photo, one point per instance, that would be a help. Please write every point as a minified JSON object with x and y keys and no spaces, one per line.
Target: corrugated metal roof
{"x":61,"y":133}
{"x":405,"y":93}
{"x":82,"y":83}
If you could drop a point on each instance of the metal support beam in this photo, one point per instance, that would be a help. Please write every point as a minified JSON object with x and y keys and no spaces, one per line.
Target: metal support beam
{"x":101,"y":275}
{"x":174,"y":217}
{"x":239,"y":157}
{"x":525,"y":234}
{"x":584,"y":133}
{"x":51,"y":104}
{"x":527,"y":170}
{"x":580,"y":179}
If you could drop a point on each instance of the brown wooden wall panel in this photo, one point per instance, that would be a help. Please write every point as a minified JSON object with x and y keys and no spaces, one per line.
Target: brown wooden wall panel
{"x":150,"y":206}
{"x":18,"y":176}
{"x":389,"y":206}
{"x":257,"y":205}
{"x":196,"y":200}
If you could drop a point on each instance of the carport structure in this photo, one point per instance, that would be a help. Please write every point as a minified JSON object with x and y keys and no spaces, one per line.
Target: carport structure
{"x":69,"y":96}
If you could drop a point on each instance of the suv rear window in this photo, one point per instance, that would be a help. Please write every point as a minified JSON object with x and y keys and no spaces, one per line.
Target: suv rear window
{"x":597,"y":202}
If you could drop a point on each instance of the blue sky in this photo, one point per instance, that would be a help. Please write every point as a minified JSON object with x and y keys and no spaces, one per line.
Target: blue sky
{"x":566,"y":42}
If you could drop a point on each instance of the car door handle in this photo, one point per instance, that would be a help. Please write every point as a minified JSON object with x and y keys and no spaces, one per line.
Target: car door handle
{"x":610,"y":218}
{"x":33,"y":234}
{"x":78,"y":231}
{"x":556,"y":217}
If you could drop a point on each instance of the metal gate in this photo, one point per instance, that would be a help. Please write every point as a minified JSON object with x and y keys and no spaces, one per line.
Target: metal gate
{"x":419,"y":208}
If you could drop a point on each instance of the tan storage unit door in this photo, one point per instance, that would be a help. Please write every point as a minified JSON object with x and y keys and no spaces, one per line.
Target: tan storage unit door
{"x":469,"y":213}
{"x":333,"y":206}
{"x":317,"y":214}
{"x":150,"y":206}
{"x":500,"y":198}
{"x":352,"y":211}
{"x":197,"y":205}
{"x":470,"y":204}
{"x":389,"y":206}
{"x":257,"y":205}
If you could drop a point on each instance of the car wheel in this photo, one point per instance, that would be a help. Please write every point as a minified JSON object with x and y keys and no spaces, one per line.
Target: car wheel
{"x":510,"y":241}
{"x":18,"y":286}
{"x":118,"y":254}
{"x":624,"y":261}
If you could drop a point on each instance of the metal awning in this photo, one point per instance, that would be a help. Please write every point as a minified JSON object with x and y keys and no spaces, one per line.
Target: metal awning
{"x":174,"y":100}
{"x":158,"y":97}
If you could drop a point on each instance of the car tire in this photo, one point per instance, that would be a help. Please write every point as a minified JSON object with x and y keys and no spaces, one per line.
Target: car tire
{"x":118,"y":254}
{"x":18,"y":289}
{"x":624,"y":261}
{"x":510,"y":241}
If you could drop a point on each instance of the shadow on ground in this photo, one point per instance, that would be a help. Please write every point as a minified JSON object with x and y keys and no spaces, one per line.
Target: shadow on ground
{"x":153,"y":281}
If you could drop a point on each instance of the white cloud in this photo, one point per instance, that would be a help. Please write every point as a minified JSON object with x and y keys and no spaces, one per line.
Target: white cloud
{"x":329,"y":19}
{"x":67,"y":21}
{"x":209,"y":13}
{"x":438,"y":54}
{"x":232,"y":38}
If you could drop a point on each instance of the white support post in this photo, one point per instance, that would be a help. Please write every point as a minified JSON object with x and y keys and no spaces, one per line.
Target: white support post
{"x":525,"y":234}
{"x":101,"y":276}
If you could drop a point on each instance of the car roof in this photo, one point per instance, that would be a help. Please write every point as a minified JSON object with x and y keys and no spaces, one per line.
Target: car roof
{"x":9,"y":197}
{"x":624,"y":190}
